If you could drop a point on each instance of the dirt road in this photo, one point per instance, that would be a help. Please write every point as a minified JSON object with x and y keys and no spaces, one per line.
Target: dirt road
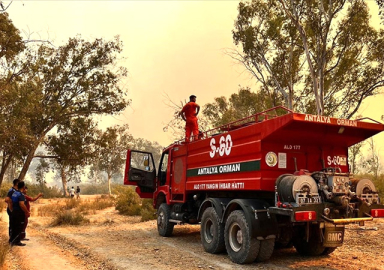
{"x":112,"y":241}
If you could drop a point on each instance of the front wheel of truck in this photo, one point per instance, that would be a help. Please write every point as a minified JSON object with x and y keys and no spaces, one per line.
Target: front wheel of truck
{"x":164,"y":227}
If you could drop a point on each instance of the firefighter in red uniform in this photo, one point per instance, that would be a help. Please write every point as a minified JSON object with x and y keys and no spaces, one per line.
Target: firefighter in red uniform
{"x":189,"y":114}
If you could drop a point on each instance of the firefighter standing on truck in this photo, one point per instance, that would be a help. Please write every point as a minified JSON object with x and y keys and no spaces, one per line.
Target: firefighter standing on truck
{"x":189,"y":114}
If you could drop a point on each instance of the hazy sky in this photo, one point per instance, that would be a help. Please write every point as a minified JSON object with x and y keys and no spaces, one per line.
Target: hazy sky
{"x":170,"y":47}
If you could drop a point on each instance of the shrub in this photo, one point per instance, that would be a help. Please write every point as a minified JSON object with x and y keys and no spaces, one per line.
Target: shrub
{"x":4,"y":189}
{"x":90,"y":189}
{"x":127,"y":201}
{"x":48,"y":192}
{"x":49,"y":210}
{"x":147,"y":211}
{"x":69,"y":218}
{"x":99,"y":203}
{"x":71,"y":203}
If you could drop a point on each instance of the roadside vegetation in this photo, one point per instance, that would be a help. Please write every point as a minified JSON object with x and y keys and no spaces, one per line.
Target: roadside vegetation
{"x":75,"y":211}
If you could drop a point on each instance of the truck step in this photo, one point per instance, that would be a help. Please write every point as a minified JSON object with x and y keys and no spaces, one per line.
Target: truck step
{"x":179,"y":222}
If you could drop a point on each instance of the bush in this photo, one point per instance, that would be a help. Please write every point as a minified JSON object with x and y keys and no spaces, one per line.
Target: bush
{"x":71,"y":203}
{"x":147,"y":211}
{"x":99,"y":203}
{"x":48,"y":192}
{"x":49,"y":210}
{"x":4,"y":189}
{"x":90,"y":189}
{"x":127,"y":201}
{"x":69,"y":218}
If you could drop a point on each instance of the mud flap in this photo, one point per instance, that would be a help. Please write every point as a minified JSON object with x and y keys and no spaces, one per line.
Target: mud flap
{"x":333,"y":236}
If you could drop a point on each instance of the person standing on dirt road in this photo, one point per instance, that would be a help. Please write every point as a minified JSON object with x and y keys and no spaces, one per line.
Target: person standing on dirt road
{"x":19,"y":213}
{"x":27,"y":204}
{"x":78,"y":192}
{"x":189,"y":114}
{"x":8,"y":200}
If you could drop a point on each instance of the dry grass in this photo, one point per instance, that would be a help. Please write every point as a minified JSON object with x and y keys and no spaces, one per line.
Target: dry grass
{"x":3,"y":205}
{"x":4,"y":249}
{"x":49,"y":210}
{"x":69,"y":218}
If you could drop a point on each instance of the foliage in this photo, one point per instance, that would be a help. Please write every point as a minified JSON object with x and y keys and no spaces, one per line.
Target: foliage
{"x":371,"y":164}
{"x":73,"y":147}
{"x":80,"y":206}
{"x":111,"y":147}
{"x":91,"y":189}
{"x":50,"y":210}
{"x":147,"y":146}
{"x":239,"y":105}
{"x":321,"y":57}
{"x":377,"y":181}
{"x":4,"y":190}
{"x":127,"y":201}
{"x":12,"y":130}
{"x":41,"y":169}
{"x":69,"y":218}
{"x":45,"y":87}
{"x":147,"y":211}
{"x":48,"y":192}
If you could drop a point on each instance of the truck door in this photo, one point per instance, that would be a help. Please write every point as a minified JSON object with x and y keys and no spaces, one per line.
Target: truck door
{"x":140,"y":171}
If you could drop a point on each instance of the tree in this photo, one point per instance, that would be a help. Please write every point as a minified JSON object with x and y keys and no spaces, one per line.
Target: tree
{"x":11,"y":126}
{"x":322,"y":57}
{"x":41,"y":170}
{"x":112,"y":146}
{"x":240,"y":105}
{"x":72,"y":148}
{"x":147,"y":146}
{"x":372,"y":162}
{"x":77,"y":79}
{"x":354,"y":156}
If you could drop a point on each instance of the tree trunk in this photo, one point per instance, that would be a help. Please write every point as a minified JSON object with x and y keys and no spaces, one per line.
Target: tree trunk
{"x":4,"y":167}
{"x":109,"y":184}
{"x":64,"y":181}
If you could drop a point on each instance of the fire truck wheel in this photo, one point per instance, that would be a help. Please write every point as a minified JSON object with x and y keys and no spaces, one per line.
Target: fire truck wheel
{"x":266,"y":250}
{"x":212,"y":232}
{"x":328,"y":250}
{"x":240,"y":245}
{"x":313,"y":247}
{"x":164,"y":227}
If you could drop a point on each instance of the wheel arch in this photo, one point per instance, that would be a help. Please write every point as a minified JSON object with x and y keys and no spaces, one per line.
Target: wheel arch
{"x":262,"y":223}
{"x":219,"y":204}
{"x":160,"y":198}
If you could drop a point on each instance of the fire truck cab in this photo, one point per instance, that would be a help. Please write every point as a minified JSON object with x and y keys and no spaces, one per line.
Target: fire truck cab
{"x":277,"y":178}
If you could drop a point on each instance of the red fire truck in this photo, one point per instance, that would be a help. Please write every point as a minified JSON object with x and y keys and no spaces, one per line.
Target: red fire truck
{"x":276,"y":178}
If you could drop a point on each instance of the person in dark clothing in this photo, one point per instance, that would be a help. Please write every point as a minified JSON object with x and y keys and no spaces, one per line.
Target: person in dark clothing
{"x":78,"y":192}
{"x":27,"y":204}
{"x":8,"y":200}
{"x":19,"y":213}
